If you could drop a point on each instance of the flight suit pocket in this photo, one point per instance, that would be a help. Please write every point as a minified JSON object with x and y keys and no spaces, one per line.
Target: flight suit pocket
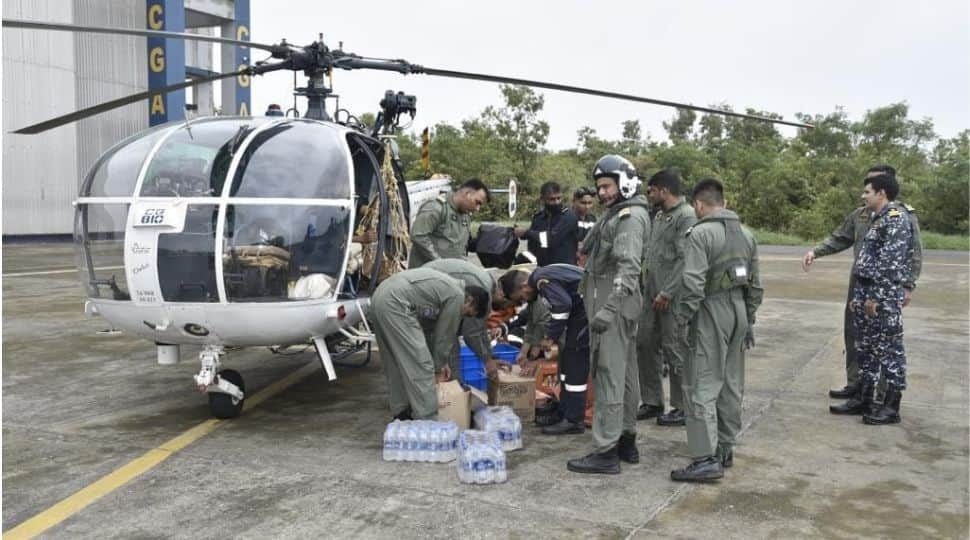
{"x":631,"y":306}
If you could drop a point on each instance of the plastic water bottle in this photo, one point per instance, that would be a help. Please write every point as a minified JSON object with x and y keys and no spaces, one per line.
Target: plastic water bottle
{"x":411,"y":444}
{"x":503,"y":422}
{"x":433,"y":430}
{"x":421,"y":440}
{"x":438,"y":441}
{"x":481,"y":459}
{"x":388,"y":442}
{"x":501,"y":473}
{"x":453,"y":442}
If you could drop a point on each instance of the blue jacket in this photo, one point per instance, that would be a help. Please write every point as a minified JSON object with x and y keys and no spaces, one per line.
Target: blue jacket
{"x":558,"y":286}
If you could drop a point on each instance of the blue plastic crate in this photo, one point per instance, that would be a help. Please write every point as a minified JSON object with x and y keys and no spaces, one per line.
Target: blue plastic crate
{"x":480,"y":383}
{"x":505,"y":352}
{"x":472,"y":368}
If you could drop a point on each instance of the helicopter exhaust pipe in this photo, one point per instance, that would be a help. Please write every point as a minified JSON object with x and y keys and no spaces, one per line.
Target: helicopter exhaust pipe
{"x":168,"y":355}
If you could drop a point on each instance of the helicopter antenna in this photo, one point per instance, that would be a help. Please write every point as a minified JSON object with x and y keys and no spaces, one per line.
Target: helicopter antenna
{"x":189,"y":108}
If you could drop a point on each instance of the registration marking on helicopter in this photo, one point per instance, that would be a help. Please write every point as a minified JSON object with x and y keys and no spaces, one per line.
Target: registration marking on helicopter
{"x":149,"y":460}
{"x":64,"y":271}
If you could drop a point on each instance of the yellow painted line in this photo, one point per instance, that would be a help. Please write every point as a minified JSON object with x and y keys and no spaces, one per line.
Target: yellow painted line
{"x":140,"y":465}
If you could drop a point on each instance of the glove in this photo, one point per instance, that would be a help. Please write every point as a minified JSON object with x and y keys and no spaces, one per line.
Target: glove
{"x":603,"y":319}
{"x":749,"y":339}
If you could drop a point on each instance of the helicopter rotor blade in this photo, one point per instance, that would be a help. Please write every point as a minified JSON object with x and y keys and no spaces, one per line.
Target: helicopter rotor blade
{"x":133,"y":98}
{"x":601,"y":93}
{"x":34,"y":25}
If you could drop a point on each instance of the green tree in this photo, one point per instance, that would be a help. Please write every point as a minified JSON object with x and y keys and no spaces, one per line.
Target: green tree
{"x":519,"y":129}
{"x":946,"y":202}
{"x":681,"y":127}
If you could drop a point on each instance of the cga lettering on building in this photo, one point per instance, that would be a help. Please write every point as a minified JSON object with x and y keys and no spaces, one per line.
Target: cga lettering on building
{"x":166,"y":61}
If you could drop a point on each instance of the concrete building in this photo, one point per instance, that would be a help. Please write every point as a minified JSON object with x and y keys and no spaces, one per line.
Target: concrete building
{"x":51,"y":73}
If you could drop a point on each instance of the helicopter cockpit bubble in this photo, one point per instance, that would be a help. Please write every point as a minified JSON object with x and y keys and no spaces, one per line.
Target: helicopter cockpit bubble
{"x":182,"y":233}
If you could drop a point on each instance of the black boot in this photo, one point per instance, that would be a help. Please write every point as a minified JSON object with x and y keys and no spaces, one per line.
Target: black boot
{"x":603,"y":463}
{"x":543,"y":420}
{"x":846,"y":392}
{"x":701,"y":470}
{"x":673,"y":418}
{"x":888,"y":413}
{"x":626,"y":449}
{"x":725,"y":454}
{"x":860,"y":403}
{"x":565,"y":427}
{"x":649,"y":411}
{"x":403,"y":415}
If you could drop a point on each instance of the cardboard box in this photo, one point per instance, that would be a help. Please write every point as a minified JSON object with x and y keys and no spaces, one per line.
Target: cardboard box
{"x":457,"y":404}
{"x":516,"y":391}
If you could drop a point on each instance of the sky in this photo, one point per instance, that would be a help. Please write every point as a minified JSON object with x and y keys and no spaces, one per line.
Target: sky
{"x":779,"y":56}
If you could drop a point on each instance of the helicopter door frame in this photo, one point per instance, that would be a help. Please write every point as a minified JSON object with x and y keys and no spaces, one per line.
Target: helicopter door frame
{"x":146,"y":289}
{"x":223,"y":206}
{"x":364,"y":145}
{"x":225,"y":200}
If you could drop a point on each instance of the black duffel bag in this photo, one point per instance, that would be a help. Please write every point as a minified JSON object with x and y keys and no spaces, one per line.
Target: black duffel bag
{"x":496,"y":245}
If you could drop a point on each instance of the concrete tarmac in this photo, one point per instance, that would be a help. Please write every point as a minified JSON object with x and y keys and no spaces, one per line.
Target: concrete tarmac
{"x":78,"y":404}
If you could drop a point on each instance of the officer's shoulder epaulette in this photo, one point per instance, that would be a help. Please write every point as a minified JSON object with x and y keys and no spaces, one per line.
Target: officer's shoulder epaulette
{"x":541,"y":283}
{"x":441,"y":198}
{"x":908,"y":208}
{"x":625,"y":212}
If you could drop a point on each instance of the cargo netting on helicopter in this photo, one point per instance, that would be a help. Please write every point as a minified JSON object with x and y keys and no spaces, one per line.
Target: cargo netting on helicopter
{"x":396,"y":252}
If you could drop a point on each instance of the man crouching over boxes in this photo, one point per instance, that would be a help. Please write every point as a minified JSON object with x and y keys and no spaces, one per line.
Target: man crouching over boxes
{"x":557,"y":285}
{"x":416,"y":316}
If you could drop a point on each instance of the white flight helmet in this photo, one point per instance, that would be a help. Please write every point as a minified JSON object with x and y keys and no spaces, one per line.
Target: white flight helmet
{"x":621,"y":170}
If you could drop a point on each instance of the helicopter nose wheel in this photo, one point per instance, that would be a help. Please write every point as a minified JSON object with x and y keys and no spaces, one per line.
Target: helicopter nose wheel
{"x":225,"y":387}
{"x":225,"y":405}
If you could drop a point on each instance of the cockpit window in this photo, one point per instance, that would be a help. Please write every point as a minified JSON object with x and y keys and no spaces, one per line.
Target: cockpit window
{"x":298,"y":159}
{"x":117,"y":173}
{"x":278,"y":253}
{"x":194,"y":161}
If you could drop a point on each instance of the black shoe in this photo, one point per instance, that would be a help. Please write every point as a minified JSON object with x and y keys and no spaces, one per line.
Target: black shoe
{"x":548,"y":419}
{"x":674,"y":418}
{"x":726,"y":455}
{"x":603,"y":463}
{"x":549,"y":407}
{"x":860,"y":403}
{"x":845,"y":392}
{"x":701,"y":470}
{"x":649,"y":411}
{"x":626,"y":449}
{"x":564,"y":427}
{"x":888,"y":413}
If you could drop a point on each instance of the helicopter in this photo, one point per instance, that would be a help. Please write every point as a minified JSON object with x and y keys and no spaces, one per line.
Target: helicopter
{"x":239,"y":231}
